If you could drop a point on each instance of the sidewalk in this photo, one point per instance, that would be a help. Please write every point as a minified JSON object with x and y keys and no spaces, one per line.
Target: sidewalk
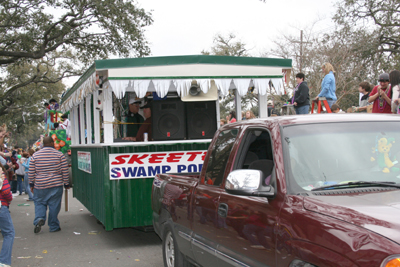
{"x":81,"y":242}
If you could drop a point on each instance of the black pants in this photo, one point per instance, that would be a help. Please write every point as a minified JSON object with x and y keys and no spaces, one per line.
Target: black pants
{"x":14,"y":185}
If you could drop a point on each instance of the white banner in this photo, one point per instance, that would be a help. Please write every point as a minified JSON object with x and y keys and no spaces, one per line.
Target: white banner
{"x":147,"y":165}
{"x":84,"y":161}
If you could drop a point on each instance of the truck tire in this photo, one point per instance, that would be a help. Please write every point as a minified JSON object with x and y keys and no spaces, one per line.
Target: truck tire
{"x":171,"y":254}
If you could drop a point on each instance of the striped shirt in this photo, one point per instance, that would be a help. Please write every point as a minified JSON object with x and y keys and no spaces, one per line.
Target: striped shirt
{"x":5,"y":192}
{"x":48,"y":168}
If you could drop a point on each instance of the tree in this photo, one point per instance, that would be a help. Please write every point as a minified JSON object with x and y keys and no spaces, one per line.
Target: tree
{"x":66,"y":35}
{"x":24,"y":115}
{"x":227,"y":46}
{"x":92,"y":28}
{"x":382,"y":17}
{"x":352,"y":53}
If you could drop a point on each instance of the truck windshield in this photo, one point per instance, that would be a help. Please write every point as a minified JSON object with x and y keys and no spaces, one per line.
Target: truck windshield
{"x":338,"y":153}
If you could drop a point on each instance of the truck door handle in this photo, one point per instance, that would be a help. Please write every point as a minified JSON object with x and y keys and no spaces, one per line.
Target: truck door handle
{"x":223,"y":210}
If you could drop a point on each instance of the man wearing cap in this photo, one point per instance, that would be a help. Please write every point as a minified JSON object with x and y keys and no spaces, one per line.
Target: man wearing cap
{"x":271,"y":109}
{"x":145,"y":127}
{"x":134,"y":119}
{"x":381,"y":95}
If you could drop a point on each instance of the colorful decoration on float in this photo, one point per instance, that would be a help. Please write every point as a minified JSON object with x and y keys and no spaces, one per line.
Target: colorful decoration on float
{"x":37,"y":144}
{"x":60,"y":140}
{"x":55,"y":116}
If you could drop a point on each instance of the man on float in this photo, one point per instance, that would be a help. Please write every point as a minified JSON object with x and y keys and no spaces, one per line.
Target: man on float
{"x":134,"y":119}
{"x":145,"y":127}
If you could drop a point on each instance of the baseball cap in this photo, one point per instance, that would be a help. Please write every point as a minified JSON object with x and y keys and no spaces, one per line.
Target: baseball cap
{"x":269,"y":102}
{"x":133,"y":101}
{"x":384,"y":77}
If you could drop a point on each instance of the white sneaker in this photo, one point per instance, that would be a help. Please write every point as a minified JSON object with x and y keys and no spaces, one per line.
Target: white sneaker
{"x":4,"y":265}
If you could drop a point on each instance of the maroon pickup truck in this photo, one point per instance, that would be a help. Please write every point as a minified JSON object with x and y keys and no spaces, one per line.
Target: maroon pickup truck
{"x":314,"y":190}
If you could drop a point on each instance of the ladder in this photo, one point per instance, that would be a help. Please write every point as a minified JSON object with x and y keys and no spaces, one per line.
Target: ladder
{"x":321,"y":100}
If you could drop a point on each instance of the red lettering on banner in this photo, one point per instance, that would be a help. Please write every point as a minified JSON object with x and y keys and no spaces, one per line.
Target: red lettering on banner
{"x":120,"y":160}
{"x":175,"y":157}
{"x":157,"y":158}
{"x":193,"y":155}
{"x":137,"y":159}
{"x":204,"y":156}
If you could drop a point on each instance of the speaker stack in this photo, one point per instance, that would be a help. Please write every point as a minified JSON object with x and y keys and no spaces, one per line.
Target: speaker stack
{"x":201,"y":119}
{"x":168,"y":120}
{"x":173,"y":119}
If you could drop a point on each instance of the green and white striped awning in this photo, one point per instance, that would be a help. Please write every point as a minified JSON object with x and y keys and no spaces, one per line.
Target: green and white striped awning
{"x":176,"y":73}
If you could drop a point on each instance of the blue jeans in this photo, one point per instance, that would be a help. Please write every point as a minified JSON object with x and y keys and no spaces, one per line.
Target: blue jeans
{"x":7,"y":230}
{"x":331,"y":102}
{"x":20,"y":184}
{"x":302,"y":110}
{"x":27,"y":187}
{"x":50,"y":197}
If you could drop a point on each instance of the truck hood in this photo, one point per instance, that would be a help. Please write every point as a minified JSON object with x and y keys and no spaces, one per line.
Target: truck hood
{"x":378,"y":212}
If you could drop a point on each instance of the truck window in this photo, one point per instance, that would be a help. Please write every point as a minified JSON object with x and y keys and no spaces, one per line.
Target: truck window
{"x":256,"y":153}
{"x":219,"y":157}
{"x":353,"y":156}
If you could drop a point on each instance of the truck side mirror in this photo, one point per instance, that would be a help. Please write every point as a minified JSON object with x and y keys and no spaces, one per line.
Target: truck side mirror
{"x":248,"y":183}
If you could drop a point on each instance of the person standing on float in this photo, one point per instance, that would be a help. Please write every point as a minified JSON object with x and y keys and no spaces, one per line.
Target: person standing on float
{"x":394,"y":79}
{"x":381,"y":95}
{"x":328,"y":85}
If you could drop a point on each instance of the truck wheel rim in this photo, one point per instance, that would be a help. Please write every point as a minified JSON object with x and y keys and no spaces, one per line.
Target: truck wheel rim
{"x":170,"y":250}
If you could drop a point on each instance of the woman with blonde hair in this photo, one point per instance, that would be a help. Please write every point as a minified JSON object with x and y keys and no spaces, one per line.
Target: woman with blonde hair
{"x":328,"y":85}
{"x":250,"y":115}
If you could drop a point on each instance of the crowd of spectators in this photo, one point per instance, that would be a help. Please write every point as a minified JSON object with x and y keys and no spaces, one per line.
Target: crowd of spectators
{"x":39,"y":174}
{"x":13,"y":164}
{"x":381,"y":98}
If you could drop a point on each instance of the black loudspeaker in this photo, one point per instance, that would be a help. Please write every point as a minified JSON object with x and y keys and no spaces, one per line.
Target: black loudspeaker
{"x":201,"y":119}
{"x":168,"y":120}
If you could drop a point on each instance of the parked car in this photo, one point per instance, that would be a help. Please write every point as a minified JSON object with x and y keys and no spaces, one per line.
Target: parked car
{"x":315,"y":190}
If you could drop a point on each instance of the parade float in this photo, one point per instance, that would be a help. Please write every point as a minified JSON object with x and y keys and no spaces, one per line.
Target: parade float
{"x":112,"y":177}
{"x":61,"y":141}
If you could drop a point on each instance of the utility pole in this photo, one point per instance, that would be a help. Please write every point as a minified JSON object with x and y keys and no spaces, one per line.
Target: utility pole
{"x":301,"y":51}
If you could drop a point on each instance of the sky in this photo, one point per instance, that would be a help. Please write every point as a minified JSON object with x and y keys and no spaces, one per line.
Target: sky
{"x":186,"y":27}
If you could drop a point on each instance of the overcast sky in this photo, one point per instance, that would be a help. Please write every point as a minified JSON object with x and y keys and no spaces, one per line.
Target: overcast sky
{"x":186,"y":27}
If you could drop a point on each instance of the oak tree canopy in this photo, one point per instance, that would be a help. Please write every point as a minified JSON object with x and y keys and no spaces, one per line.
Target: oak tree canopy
{"x":60,"y":38}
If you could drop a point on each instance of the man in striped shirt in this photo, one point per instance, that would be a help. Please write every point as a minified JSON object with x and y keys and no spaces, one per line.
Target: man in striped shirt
{"x":48,"y":172}
{"x":6,"y":224}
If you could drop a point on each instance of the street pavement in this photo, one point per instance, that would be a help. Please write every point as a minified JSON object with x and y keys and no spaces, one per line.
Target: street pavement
{"x":81,"y":242}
